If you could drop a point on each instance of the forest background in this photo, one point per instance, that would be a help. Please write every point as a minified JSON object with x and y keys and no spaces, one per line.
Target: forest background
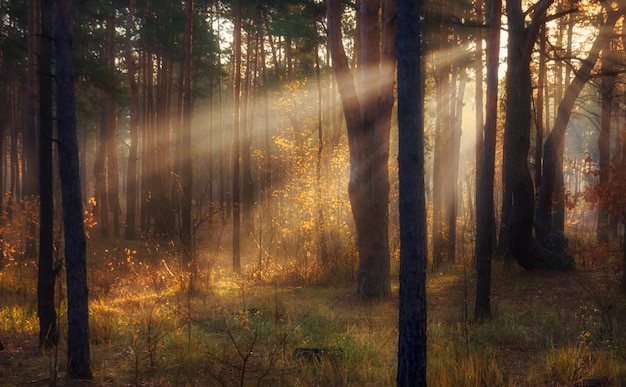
{"x":240,"y":188}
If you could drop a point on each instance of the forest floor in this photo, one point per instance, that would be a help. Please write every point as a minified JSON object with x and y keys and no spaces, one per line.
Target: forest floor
{"x":148,"y":329}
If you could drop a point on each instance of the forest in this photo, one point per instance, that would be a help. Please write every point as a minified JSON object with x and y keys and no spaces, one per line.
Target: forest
{"x":312,"y":193}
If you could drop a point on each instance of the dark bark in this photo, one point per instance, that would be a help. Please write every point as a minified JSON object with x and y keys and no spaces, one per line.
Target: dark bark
{"x":48,"y":330}
{"x":413,"y":254}
{"x":517,"y":180}
{"x":486,"y":165}
{"x":78,"y":355}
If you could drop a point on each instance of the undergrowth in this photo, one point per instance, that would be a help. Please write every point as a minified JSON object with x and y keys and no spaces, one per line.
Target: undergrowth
{"x":149,"y":327}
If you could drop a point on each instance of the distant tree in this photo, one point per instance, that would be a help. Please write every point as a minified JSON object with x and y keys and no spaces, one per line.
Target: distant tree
{"x":130,"y":231}
{"x":48,"y":330}
{"x":413,"y":254}
{"x":607,"y":84}
{"x":78,"y":356}
{"x":485,"y":170}
{"x":237,"y":41}
{"x":186,"y":170}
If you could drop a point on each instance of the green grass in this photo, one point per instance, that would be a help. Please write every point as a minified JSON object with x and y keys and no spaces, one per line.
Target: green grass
{"x":147,"y":328}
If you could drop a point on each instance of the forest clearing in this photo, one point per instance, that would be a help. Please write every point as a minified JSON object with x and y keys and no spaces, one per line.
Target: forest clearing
{"x":549,"y":327}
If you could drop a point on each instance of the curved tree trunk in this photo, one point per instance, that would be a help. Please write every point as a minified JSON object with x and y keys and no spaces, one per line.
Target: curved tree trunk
{"x":548,"y":236}
{"x":517,"y":178}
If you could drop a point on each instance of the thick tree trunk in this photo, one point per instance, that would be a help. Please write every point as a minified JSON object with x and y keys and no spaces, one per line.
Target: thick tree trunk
{"x":413,"y":254}
{"x":517,"y":179}
{"x":48,"y":330}
{"x":78,"y":356}
{"x":368,"y":142}
{"x":369,"y":185}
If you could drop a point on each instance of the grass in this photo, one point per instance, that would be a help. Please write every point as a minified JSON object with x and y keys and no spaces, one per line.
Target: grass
{"x":148,"y":328}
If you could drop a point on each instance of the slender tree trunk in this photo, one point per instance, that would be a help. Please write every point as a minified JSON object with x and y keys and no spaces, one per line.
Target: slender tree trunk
{"x":29,"y":139}
{"x":539,"y":104}
{"x":78,"y":355}
{"x":130,"y":231}
{"x":604,"y":140}
{"x":186,"y":168}
{"x":484,"y":187}
{"x":413,"y":254}
{"x":322,"y":250}
{"x":478,"y":70}
{"x":247,"y":187}
{"x":48,"y":330}
{"x":235,"y":142}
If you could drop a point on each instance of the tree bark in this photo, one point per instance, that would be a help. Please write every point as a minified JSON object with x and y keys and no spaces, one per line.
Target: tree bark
{"x":78,"y":356}
{"x":369,"y":184}
{"x":413,"y":254}
{"x":517,"y":179}
{"x":486,"y":165}
{"x":48,"y":330}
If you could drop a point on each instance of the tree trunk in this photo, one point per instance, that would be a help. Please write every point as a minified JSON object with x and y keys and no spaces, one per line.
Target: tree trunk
{"x":484,"y":188}
{"x":75,"y":244}
{"x":235,"y":140}
{"x":320,"y":225}
{"x":539,"y":128}
{"x":247,"y":187}
{"x":29,"y":139}
{"x":186,"y":170}
{"x":369,"y":184}
{"x":604,"y":140}
{"x":549,"y":238}
{"x":130,"y":231}
{"x":48,"y":330}
{"x":517,"y":179}
{"x":413,"y":254}
{"x":478,"y":70}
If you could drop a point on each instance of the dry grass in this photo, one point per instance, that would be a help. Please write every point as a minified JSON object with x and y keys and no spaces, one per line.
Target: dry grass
{"x":148,"y":328}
